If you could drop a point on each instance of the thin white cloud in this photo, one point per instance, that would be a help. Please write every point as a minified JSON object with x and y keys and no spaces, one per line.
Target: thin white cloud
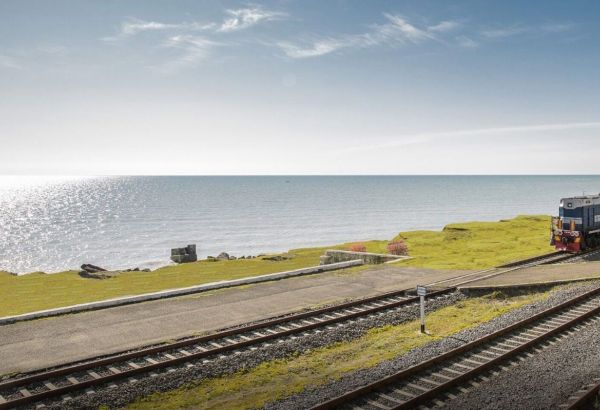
{"x":504,"y":32}
{"x":240,"y":19}
{"x":515,"y":30}
{"x":557,"y":27}
{"x":396,"y":30}
{"x":133,"y":27}
{"x":466,"y":42}
{"x":445,"y":26}
{"x":9,"y":62}
{"x":194,"y":50}
{"x":419,"y":138}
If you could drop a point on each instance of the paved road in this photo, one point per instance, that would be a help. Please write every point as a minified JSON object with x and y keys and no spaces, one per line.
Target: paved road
{"x":49,"y":342}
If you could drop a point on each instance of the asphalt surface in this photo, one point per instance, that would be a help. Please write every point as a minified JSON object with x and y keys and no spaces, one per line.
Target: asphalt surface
{"x":49,"y":342}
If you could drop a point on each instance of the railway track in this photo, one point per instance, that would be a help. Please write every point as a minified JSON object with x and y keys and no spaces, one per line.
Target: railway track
{"x":35,"y":387}
{"x":431,"y":382}
{"x":42,"y":385}
{"x":586,"y":398}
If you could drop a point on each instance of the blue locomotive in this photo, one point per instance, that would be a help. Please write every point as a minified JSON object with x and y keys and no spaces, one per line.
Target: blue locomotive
{"x":577,"y":227}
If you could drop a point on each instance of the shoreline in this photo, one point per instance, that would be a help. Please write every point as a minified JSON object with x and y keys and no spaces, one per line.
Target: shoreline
{"x":464,"y":246}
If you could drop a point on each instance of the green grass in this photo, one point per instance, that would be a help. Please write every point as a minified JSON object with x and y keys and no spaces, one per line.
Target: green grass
{"x":274,"y":380}
{"x":478,"y":245}
{"x":474,"y":245}
{"x":38,"y":291}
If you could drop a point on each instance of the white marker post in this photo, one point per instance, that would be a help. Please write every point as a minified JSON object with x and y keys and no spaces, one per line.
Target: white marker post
{"x":421,"y":292}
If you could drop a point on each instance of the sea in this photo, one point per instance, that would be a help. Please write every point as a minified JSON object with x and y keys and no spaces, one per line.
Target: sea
{"x":52,"y":224}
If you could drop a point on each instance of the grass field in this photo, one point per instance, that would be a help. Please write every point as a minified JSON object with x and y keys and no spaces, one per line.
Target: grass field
{"x":273,"y":380}
{"x":479,"y":245}
{"x":459,"y":246}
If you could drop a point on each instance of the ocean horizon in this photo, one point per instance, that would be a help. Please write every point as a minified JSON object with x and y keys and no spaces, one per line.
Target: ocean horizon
{"x":53,"y":224}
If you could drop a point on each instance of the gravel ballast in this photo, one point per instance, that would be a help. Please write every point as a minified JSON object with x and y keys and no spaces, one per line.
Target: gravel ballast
{"x":360,"y":378}
{"x":125,"y":393}
{"x":543,"y":381}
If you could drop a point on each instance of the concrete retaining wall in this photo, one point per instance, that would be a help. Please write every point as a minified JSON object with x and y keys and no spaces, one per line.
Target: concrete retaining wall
{"x":176,"y":292}
{"x":336,"y":256}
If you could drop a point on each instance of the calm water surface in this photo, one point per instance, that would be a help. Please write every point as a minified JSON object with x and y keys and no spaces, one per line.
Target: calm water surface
{"x":54,"y":223}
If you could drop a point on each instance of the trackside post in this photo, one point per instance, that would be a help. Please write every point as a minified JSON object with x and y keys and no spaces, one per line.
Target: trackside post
{"x":422,"y":292}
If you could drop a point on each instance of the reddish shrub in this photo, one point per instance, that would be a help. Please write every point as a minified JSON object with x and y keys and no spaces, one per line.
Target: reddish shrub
{"x":397,"y":248}
{"x":357,"y":247}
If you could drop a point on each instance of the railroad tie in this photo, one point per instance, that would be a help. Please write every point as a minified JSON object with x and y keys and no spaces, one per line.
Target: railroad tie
{"x":441,"y":376}
{"x":417,"y":387}
{"x":390,"y":398}
{"x":403,"y":393}
{"x":94,"y":374}
{"x":379,"y":405}
{"x":133,"y":365}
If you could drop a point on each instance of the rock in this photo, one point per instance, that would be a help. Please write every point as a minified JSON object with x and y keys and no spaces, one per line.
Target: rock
{"x":146,"y":270}
{"x":232,"y":258}
{"x":92,"y":268}
{"x":276,"y":258}
{"x":98,"y":275}
{"x":223,"y":256}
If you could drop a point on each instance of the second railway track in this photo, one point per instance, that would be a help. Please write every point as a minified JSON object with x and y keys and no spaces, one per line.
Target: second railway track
{"x":431,"y":382}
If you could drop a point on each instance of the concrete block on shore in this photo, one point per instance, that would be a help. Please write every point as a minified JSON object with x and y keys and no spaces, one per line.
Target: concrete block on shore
{"x":184,"y":255}
{"x":335,"y":256}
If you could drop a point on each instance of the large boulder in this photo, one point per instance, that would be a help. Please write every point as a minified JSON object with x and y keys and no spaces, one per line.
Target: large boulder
{"x":223,"y":256}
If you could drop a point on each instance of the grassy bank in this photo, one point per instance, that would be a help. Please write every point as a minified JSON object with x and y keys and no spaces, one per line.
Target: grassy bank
{"x":38,"y":291}
{"x":459,"y":246}
{"x":479,"y":245}
{"x":277,"y":379}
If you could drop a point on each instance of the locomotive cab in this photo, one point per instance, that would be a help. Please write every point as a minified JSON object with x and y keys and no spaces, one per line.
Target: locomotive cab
{"x":577,"y":227}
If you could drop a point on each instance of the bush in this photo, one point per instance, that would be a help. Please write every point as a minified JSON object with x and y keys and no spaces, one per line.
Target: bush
{"x":357,"y":247}
{"x":398,"y":248}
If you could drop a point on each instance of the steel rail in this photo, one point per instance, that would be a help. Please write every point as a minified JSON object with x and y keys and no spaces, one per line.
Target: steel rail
{"x":587,"y":400}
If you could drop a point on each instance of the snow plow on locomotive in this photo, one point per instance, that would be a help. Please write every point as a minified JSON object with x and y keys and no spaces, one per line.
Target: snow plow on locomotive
{"x":577,"y":227}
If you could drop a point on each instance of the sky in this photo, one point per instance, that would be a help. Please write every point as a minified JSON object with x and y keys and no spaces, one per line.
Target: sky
{"x":299,"y":87}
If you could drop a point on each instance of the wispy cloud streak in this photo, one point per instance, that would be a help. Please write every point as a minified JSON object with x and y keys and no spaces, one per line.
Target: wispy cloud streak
{"x":397,"y":30}
{"x":516,"y":30}
{"x":194,"y":50}
{"x":240,"y":19}
{"x":411,"y":139}
{"x":9,"y":62}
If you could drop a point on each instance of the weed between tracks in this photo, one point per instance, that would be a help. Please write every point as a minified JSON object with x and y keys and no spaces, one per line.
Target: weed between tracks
{"x":277,"y":379}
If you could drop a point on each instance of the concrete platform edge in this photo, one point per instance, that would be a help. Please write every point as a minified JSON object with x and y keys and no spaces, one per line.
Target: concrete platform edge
{"x":513,"y":286}
{"x":176,"y":292}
